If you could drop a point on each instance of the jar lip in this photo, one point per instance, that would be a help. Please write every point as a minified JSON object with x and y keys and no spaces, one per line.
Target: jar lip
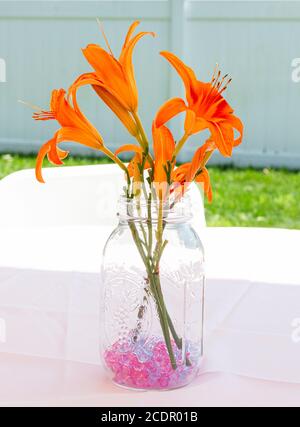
{"x":141,"y":201}
{"x":138,"y":208}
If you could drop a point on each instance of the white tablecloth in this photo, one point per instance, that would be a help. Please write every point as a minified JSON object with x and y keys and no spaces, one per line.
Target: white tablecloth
{"x":49,"y":299}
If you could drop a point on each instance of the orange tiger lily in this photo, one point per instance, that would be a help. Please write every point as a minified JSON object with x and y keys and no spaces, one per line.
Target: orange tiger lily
{"x":163,"y":147}
{"x":113,"y":103}
{"x":195,"y":171}
{"x":74,"y":127}
{"x":134,"y":167}
{"x":204,"y":178}
{"x":113,"y":79}
{"x":206,"y":108}
{"x":181,"y":182}
{"x":200,"y":159}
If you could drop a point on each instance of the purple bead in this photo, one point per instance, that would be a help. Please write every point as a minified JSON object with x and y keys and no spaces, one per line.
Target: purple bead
{"x":146,"y":364}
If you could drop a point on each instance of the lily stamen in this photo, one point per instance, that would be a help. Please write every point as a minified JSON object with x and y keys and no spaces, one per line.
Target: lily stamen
{"x":214,"y":73}
{"x":226,"y":86}
{"x":217,"y":79}
{"x":33,"y":107}
{"x":44,"y":115}
{"x":104,"y":36}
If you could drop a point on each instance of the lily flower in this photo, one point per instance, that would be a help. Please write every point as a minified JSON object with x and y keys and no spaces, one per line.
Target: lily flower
{"x":112,"y":102}
{"x":137,"y":164}
{"x":113,"y":79}
{"x":74,"y":127}
{"x":195,"y":170}
{"x":204,"y":178}
{"x":181,"y":182}
{"x":163,"y":147}
{"x":205,"y":108}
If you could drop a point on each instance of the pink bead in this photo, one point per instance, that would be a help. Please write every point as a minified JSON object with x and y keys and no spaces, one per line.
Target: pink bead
{"x":153,"y":372}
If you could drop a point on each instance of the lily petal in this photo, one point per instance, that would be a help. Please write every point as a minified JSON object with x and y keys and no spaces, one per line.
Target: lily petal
{"x":109,"y":98}
{"x":205,"y":179}
{"x":127,"y":65}
{"x":47,"y":149}
{"x":129,"y":147}
{"x":163,"y":144}
{"x":108,"y":70}
{"x":130,"y":33}
{"x":70,"y":134}
{"x":62,"y":153}
{"x":223,"y":136}
{"x":169,"y":110}
{"x":186,"y":73}
{"x":238,"y":125}
{"x":122,"y":113}
{"x":164,"y":147}
{"x":39,"y":162}
{"x":199,"y":158}
{"x":179,"y":174}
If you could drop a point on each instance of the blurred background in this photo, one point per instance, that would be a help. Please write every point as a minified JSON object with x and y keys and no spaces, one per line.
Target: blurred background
{"x":256,"y":42}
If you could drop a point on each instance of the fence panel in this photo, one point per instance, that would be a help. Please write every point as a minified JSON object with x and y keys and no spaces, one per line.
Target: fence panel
{"x":254,"y":41}
{"x":41,"y":43}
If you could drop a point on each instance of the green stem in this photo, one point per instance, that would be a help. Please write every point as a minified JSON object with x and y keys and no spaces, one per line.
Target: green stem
{"x":180,"y":144}
{"x":159,"y":255}
{"x":141,"y":224}
{"x":161,"y":309}
{"x":164,"y":323}
{"x":149,"y":223}
{"x":115,"y":159}
{"x":177,"y":339}
{"x":143,"y":137}
{"x":152,"y":268}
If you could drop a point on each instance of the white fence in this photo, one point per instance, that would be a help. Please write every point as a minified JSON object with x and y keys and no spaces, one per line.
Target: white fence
{"x":255,"y":41}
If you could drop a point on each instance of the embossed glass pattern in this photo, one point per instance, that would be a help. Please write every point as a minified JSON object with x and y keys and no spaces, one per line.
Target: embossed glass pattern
{"x":152,"y":324}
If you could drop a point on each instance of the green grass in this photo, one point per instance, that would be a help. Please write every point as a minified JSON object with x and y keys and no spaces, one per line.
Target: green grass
{"x":10,"y":164}
{"x":242,"y":197}
{"x":247,"y":197}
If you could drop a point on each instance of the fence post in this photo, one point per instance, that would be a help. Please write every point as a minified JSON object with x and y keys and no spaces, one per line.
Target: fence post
{"x":177,"y":46}
{"x":2,"y":71}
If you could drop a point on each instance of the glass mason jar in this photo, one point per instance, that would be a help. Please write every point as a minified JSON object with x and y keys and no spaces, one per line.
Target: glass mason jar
{"x":152,"y":303}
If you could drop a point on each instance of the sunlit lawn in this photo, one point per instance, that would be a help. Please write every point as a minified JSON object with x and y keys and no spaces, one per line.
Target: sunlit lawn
{"x":246,"y":197}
